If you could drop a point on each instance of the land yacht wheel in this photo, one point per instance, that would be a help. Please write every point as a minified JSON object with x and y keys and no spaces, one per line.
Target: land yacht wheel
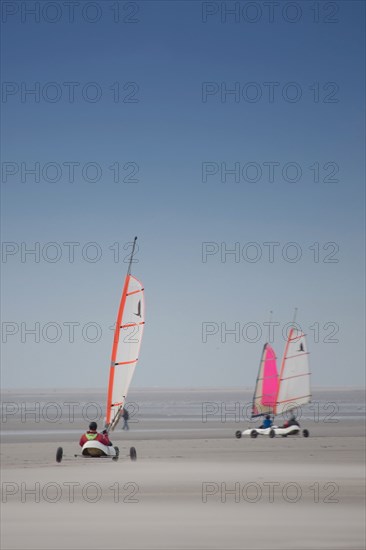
{"x":59,"y":454}
{"x":115,"y":458}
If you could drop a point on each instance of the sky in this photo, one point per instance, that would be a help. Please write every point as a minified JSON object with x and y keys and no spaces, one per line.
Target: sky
{"x":229,"y":137}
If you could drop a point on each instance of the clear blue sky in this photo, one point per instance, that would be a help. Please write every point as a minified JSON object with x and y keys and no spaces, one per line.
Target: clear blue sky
{"x":176,"y":124}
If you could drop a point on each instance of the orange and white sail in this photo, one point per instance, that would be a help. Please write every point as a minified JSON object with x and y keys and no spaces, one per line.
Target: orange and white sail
{"x":126,"y":345}
{"x":294,"y":379}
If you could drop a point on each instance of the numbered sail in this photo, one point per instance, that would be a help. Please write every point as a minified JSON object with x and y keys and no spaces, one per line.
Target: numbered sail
{"x":267,"y":383}
{"x":126,"y":347}
{"x":294,"y":383}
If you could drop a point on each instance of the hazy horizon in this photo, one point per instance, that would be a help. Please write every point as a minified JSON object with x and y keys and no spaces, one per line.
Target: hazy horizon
{"x":166,"y":388}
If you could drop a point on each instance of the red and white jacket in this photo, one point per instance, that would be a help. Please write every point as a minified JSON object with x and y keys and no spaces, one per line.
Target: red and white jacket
{"x":94,"y":436}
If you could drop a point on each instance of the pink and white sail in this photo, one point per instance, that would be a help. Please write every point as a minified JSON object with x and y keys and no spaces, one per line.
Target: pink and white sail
{"x":266,"y":388}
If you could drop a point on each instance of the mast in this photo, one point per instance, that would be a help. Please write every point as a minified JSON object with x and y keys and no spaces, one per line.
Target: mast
{"x":294,"y":319}
{"x":131,"y":257}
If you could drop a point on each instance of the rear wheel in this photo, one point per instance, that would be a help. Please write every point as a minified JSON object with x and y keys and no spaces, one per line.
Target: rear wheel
{"x":305,"y":433}
{"x":254,"y":434}
{"x":238,"y":434}
{"x":59,"y":454}
{"x":133,"y":454}
{"x":272,"y":433}
{"x":117,"y":454}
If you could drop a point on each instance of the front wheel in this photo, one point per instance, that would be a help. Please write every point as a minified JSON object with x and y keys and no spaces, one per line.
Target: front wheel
{"x":272,"y":433}
{"x":254,"y":434}
{"x":238,"y":434}
{"x":59,"y":454}
{"x":133,"y":454}
{"x":305,"y":433}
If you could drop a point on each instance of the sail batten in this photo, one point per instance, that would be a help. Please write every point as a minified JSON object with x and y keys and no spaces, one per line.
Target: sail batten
{"x":294,"y":398}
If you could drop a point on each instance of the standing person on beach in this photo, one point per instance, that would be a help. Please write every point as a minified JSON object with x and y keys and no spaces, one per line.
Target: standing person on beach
{"x":125,"y":417}
{"x":93,"y":435}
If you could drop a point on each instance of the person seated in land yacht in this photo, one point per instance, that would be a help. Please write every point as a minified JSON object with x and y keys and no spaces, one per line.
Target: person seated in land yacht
{"x":267,"y":423}
{"x":291,"y":422}
{"x":93,"y":435}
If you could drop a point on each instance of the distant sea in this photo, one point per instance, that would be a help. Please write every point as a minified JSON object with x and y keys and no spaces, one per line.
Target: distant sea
{"x":151,"y":404}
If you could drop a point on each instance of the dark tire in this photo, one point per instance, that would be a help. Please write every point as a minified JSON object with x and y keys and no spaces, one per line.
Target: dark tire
{"x":254,"y":434}
{"x":238,"y":434}
{"x":305,"y":433}
{"x":272,"y":434}
{"x":59,"y":454}
{"x":115,"y":458}
{"x":133,"y":454}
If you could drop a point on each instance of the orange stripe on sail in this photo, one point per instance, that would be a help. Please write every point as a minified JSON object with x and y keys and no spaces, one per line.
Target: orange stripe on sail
{"x":296,"y":337}
{"x":297,"y":355}
{"x":132,"y":325}
{"x":296,"y":376}
{"x":115,"y":348}
{"x":294,"y":398}
{"x":135,"y":292}
{"x":126,"y":362}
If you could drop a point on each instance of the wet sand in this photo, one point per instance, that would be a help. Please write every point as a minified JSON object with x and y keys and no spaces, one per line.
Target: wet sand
{"x":194,"y":485}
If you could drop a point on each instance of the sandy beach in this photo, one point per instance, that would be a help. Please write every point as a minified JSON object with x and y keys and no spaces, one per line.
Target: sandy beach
{"x":194,"y":484}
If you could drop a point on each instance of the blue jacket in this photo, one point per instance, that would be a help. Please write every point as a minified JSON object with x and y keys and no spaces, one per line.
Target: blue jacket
{"x":267,"y":423}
